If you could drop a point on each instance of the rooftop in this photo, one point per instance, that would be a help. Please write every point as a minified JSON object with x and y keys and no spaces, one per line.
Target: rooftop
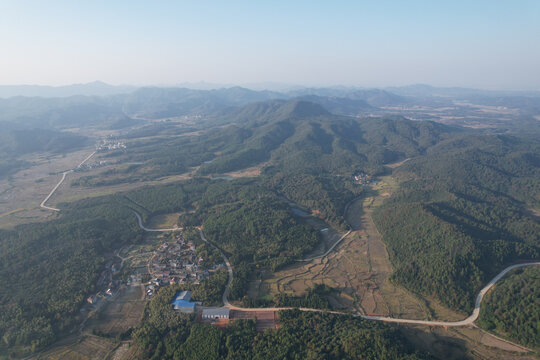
{"x":215,"y":311}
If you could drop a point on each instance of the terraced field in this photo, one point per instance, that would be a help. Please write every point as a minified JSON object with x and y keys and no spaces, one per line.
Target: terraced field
{"x":89,"y":347}
{"x":359,"y":267}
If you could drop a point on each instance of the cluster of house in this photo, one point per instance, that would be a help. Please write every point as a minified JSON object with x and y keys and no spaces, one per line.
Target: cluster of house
{"x":176,"y":264}
{"x":110,"y":289}
{"x":89,"y":166}
{"x":182,"y":302}
{"x":363,"y":179}
{"x":106,"y":283}
{"x":110,"y":144}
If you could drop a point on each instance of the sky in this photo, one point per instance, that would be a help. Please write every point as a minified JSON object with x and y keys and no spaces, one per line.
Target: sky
{"x":475,"y":43}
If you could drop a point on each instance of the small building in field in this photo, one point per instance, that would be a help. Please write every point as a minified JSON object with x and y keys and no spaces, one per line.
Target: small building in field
{"x":182,"y":302}
{"x":215,"y":313}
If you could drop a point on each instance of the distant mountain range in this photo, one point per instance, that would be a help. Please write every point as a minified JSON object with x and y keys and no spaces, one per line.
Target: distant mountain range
{"x":99,"y":88}
{"x":107,"y":106}
{"x":96,"y":88}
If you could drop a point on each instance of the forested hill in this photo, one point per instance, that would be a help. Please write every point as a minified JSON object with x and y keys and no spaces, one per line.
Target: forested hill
{"x":268,"y":111}
{"x":462,"y":214}
{"x":21,"y":141}
{"x":310,"y":155}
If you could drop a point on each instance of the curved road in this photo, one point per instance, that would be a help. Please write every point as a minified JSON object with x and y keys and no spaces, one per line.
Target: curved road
{"x":52,"y":192}
{"x":152,"y":230}
{"x":468,"y":321}
{"x":42,"y":205}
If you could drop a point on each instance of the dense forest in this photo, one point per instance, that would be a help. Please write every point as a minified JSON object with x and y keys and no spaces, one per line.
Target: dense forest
{"x":166,"y":334}
{"x":48,"y":269}
{"x":458,"y":217}
{"x":512,"y":309}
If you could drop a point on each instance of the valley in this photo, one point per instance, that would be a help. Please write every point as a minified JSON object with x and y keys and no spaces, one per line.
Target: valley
{"x":385,"y":220}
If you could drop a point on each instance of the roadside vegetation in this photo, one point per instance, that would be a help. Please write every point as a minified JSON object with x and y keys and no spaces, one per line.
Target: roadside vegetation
{"x":166,"y":334}
{"x":512,"y":310}
{"x":458,"y":217}
{"x":48,"y":269}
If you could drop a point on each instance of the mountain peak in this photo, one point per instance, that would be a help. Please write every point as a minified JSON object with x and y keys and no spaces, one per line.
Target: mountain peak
{"x":302,"y":109}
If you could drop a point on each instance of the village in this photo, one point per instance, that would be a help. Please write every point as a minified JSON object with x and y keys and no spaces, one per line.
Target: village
{"x":364,"y":179}
{"x":110,"y":144}
{"x":152,"y":267}
{"x":177,"y":263}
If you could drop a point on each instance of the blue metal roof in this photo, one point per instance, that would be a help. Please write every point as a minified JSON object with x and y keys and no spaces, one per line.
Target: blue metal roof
{"x":183,"y":303}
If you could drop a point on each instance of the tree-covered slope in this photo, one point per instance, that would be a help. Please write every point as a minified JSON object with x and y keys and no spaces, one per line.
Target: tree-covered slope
{"x":166,"y":334}
{"x":48,"y":269}
{"x":512,"y":308}
{"x":461,"y":214}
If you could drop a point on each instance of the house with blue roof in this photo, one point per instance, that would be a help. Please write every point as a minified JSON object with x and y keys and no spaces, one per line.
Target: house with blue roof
{"x":182,"y":302}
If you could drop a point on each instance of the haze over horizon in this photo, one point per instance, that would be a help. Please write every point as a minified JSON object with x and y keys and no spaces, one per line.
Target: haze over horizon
{"x":485,"y":45}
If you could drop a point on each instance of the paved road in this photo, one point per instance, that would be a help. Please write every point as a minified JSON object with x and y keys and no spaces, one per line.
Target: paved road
{"x":468,"y":321}
{"x":42,"y":205}
{"x":476,"y":312}
{"x":52,"y":192}
{"x":86,"y":159}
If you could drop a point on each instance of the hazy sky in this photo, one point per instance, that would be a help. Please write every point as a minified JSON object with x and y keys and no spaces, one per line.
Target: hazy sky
{"x":486,"y":44}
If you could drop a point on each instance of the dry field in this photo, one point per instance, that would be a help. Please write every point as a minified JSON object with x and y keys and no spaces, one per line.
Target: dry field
{"x":126,"y":351}
{"x":359,"y":267}
{"x":163,"y":221}
{"x":265,"y":319}
{"x":119,"y":315}
{"x":460,"y":343}
{"x":89,"y":347}
{"x":248,"y":172}
{"x":22,"y":192}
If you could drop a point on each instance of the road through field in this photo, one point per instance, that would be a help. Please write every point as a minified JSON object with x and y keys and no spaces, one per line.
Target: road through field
{"x":64,"y":174}
{"x":52,"y":192}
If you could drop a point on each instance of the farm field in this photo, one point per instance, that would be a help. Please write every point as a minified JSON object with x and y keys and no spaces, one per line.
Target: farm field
{"x":359,"y":268}
{"x":88,"y":347}
{"x":119,"y":315}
